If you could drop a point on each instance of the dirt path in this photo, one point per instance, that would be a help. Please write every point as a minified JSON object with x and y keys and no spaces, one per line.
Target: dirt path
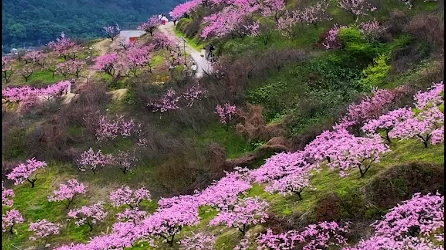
{"x":203,"y":64}
{"x":102,"y":47}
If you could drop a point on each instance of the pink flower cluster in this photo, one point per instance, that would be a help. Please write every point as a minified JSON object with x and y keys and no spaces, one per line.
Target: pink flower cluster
{"x":244,"y":213}
{"x":108,"y":129}
{"x":132,"y":215}
{"x":91,"y":160}
{"x":195,"y":92}
{"x":279,"y":166}
{"x":434,"y":96}
{"x":135,"y":58}
{"x":43,"y":228}
{"x":231,"y":20}
{"x":356,"y":152}
{"x":6,"y":195}
{"x":70,"y":67}
{"x":421,"y":126}
{"x":67,"y":191}
{"x":414,"y":224}
{"x":167,"y":102}
{"x":387,"y":121}
{"x":426,"y":124}
{"x":150,"y":25}
{"x":309,"y":15}
{"x":224,"y":192}
{"x":63,"y":46}
{"x":35,"y":57}
{"x":160,"y":40}
{"x":126,"y":196}
{"x":106,"y":63}
{"x":371,"y":30}
{"x":23,"y":171}
{"x":311,"y":237}
{"x":293,"y":183}
{"x":89,"y":215}
{"x":184,"y":8}
{"x":166,"y":222}
{"x":17,"y":94}
{"x":225,"y":112}
{"x":112,"y":31}
{"x":170,"y":101}
{"x":356,"y":7}
{"x":11,"y":218}
{"x":331,"y":39}
{"x":198,"y":241}
{"x":371,"y":107}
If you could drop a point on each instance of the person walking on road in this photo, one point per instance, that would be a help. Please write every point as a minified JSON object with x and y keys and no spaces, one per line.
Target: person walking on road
{"x":164,"y":20}
{"x":194,"y":68}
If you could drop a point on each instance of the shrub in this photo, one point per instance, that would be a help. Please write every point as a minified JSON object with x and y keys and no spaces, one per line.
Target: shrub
{"x":14,"y":144}
{"x":376,"y":73}
{"x":427,"y":27}
{"x":400,"y":182}
{"x":354,"y":44}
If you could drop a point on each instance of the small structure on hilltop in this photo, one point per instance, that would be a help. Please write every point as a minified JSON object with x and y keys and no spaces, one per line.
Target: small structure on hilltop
{"x":130,"y":35}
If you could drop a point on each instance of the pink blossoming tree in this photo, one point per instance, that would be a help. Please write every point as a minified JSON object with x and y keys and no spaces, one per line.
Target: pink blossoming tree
{"x":356,"y":7}
{"x":133,"y":215}
{"x":387,"y":122}
{"x":421,"y":126}
{"x":185,"y":9}
{"x":112,"y":31}
{"x":414,"y":224}
{"x":110,"y":129}
{"x":24,"y":172}
{"x":7,"y":69}
{"x":165,"y":223}
{"x":6,"y":195}
{"x":357,"y":152}
{"x":107,"y":63}
{"x":434,"y":96}
{"x":279,"y":166}
{"x":293,"y":183}
{"x":193,"y":93}
{"x":370,"y":107}
{"x":311,"y":237}
{"x":246,"y":212}
{"x":126,"y":196}
{"x":124,"y":160}
{"x":70,"y":67}
{"x":67,"y":192}
{"x":89,"y":215}
{"x":223,"y":193}
{"x":150,"y":25}
{"x":43,"y":229}
{"x":168,"y":102}
{"x":91,"y":160}
{"x":10,"y":219}
{"x":198,"y":241}
{"x":63,"y":46}
{"x":226,"y":113}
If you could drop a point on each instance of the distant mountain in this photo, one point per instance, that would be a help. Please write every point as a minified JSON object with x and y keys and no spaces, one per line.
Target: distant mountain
{"x":31,"y":22}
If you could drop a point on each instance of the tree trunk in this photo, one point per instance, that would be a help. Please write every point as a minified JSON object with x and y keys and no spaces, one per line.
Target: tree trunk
{"x":32,"y":182}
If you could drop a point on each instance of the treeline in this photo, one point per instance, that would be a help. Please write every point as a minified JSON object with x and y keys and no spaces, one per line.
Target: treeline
{"x":31,"y":23}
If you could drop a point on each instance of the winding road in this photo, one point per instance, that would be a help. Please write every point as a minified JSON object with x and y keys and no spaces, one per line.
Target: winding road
{"x":105,"y":45}
{"x":203,"y":64}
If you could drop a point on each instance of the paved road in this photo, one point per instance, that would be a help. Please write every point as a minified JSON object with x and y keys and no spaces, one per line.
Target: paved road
{"x":203,"y":64}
